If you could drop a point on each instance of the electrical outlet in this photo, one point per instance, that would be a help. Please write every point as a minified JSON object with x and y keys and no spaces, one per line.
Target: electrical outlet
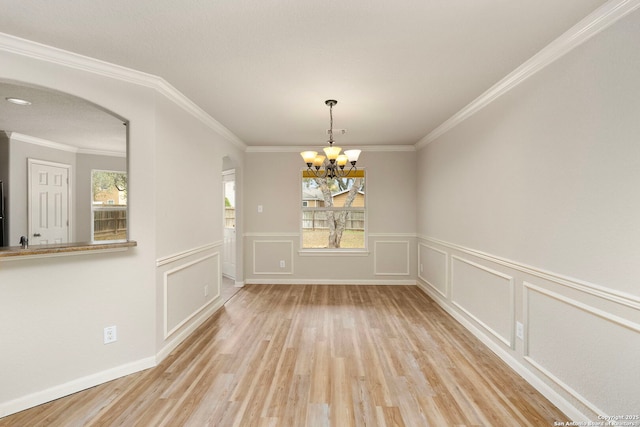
{"x":282,"y":264}
{"x":259,"y":208}
{"x":421,"y":268}
{"x":520,"y":330}
{"x":206,"y":290}
{"x":110,"y":334}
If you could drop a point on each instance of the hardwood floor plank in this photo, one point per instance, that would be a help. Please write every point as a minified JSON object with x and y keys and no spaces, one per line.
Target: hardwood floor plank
{"x":341,"y":399}
{"x":321,"y":374}
{"x":278,"y":395}
{"x":318,"y":415}
{"x":280,"y":355}
{"x":214,"y":401}
{"x":393,"y":417}
{"x":363,"y":408}
{"x":296,"y":409}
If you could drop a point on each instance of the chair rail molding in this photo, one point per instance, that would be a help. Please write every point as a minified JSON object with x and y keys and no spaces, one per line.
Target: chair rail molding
{"x":618,"y":297}
{"x":187,"y":253}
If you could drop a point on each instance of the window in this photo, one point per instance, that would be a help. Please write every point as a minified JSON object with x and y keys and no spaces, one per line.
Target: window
{"x":229,"y":204}
{"x":108,"y":205}
{"x":333,"y":212}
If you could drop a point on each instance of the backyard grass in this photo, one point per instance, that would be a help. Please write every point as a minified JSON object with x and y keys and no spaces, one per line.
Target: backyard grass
{"x":319,"y":238}
{"x":111,"y":235}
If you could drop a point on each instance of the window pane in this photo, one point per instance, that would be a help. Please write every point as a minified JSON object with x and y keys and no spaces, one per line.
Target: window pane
{"x":319,"y":238}
{"x":109,"y":205}
{"x":320,"y":192}
{"x":110,"y":224}
{"x":342,"y":226}
{"x":230,"y":204}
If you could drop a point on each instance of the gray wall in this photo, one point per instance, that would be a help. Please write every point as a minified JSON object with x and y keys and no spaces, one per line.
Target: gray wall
{"x":144,"y":291}
{"x":273,"y":180}
{"x":19,"y":152}
{"x":528,"y":212}
{"x":80,"y":179}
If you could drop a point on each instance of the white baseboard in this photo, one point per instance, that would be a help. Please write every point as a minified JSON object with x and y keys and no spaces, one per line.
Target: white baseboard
{"x":561,"y":403}
{"x":56,"y":392}
{"x":178,"y":337}
{"x":328,"y":282}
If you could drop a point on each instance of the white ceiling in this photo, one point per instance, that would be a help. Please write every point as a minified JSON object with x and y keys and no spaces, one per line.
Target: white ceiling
{"x":62,"y":119}
{"x":263,"y":68}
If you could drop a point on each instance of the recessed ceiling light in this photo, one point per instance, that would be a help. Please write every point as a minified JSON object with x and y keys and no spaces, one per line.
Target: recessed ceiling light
{"x":18,"y":101}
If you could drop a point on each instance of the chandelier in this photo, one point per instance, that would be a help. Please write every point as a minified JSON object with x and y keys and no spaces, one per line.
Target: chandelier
{"x":332,"y":165}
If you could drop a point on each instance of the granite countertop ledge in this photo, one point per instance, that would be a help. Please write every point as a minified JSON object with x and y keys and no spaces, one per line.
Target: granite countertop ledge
{"x":64,"y":248}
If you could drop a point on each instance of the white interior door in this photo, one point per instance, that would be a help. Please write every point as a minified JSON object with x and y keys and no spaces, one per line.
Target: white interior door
{"x":48,"y":202}
{"x":229,"y":218}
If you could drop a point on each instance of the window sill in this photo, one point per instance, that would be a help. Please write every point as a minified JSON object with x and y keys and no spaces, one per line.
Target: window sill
{"x":333,"y":252}
{"x":39,"y":251}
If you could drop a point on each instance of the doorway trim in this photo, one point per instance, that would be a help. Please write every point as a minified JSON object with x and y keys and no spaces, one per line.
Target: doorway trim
{"x":229,"y":252}
{"x":31,"y":163}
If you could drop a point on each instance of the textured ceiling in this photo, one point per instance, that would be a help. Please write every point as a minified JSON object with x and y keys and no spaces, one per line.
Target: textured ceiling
{"x":263,"y":68}
{"x":60,"y":118}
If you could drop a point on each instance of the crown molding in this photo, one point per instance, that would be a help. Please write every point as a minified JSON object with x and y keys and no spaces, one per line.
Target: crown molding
{"x":15,"y":136}
{"x":42,"y":142}
{"x":102,"y":152}
{"x":298,"y":149}
{"x":597,"y":21}
{"x":166,"y":89}
{"x":42,"y":52}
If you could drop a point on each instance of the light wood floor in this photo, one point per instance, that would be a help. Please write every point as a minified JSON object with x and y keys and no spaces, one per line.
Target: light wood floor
{"x":339,"y":356}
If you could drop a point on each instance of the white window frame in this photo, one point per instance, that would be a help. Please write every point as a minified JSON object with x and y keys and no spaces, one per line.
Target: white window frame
{"x":364,"y":251}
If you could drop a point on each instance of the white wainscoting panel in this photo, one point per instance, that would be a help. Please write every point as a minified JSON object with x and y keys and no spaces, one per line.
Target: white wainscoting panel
{"x":485,"y":295}
{"x":433,"y":268}
{"x":562,"y":331}
{"x":391,"y":258}
{"x":581,"y":339}
{"x":268,"y":254}
{"x":184,"y":290}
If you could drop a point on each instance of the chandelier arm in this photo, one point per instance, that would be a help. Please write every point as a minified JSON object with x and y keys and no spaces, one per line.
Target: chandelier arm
{"x":351,"y":169}
{"x":327,"y":172}
{"x":331,"y":170}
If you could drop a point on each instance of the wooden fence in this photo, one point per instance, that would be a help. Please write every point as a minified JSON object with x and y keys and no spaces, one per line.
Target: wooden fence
{"x":110,"y":223}
{"x":311,"y":220}
{"x":317,"y":220}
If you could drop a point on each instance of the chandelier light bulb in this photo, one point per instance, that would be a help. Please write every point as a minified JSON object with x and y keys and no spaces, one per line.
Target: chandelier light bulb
{"x":353,"y":155}
{"x":308,"y":156}
{"x":318,"y":161}
{"x":332,"y":152}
